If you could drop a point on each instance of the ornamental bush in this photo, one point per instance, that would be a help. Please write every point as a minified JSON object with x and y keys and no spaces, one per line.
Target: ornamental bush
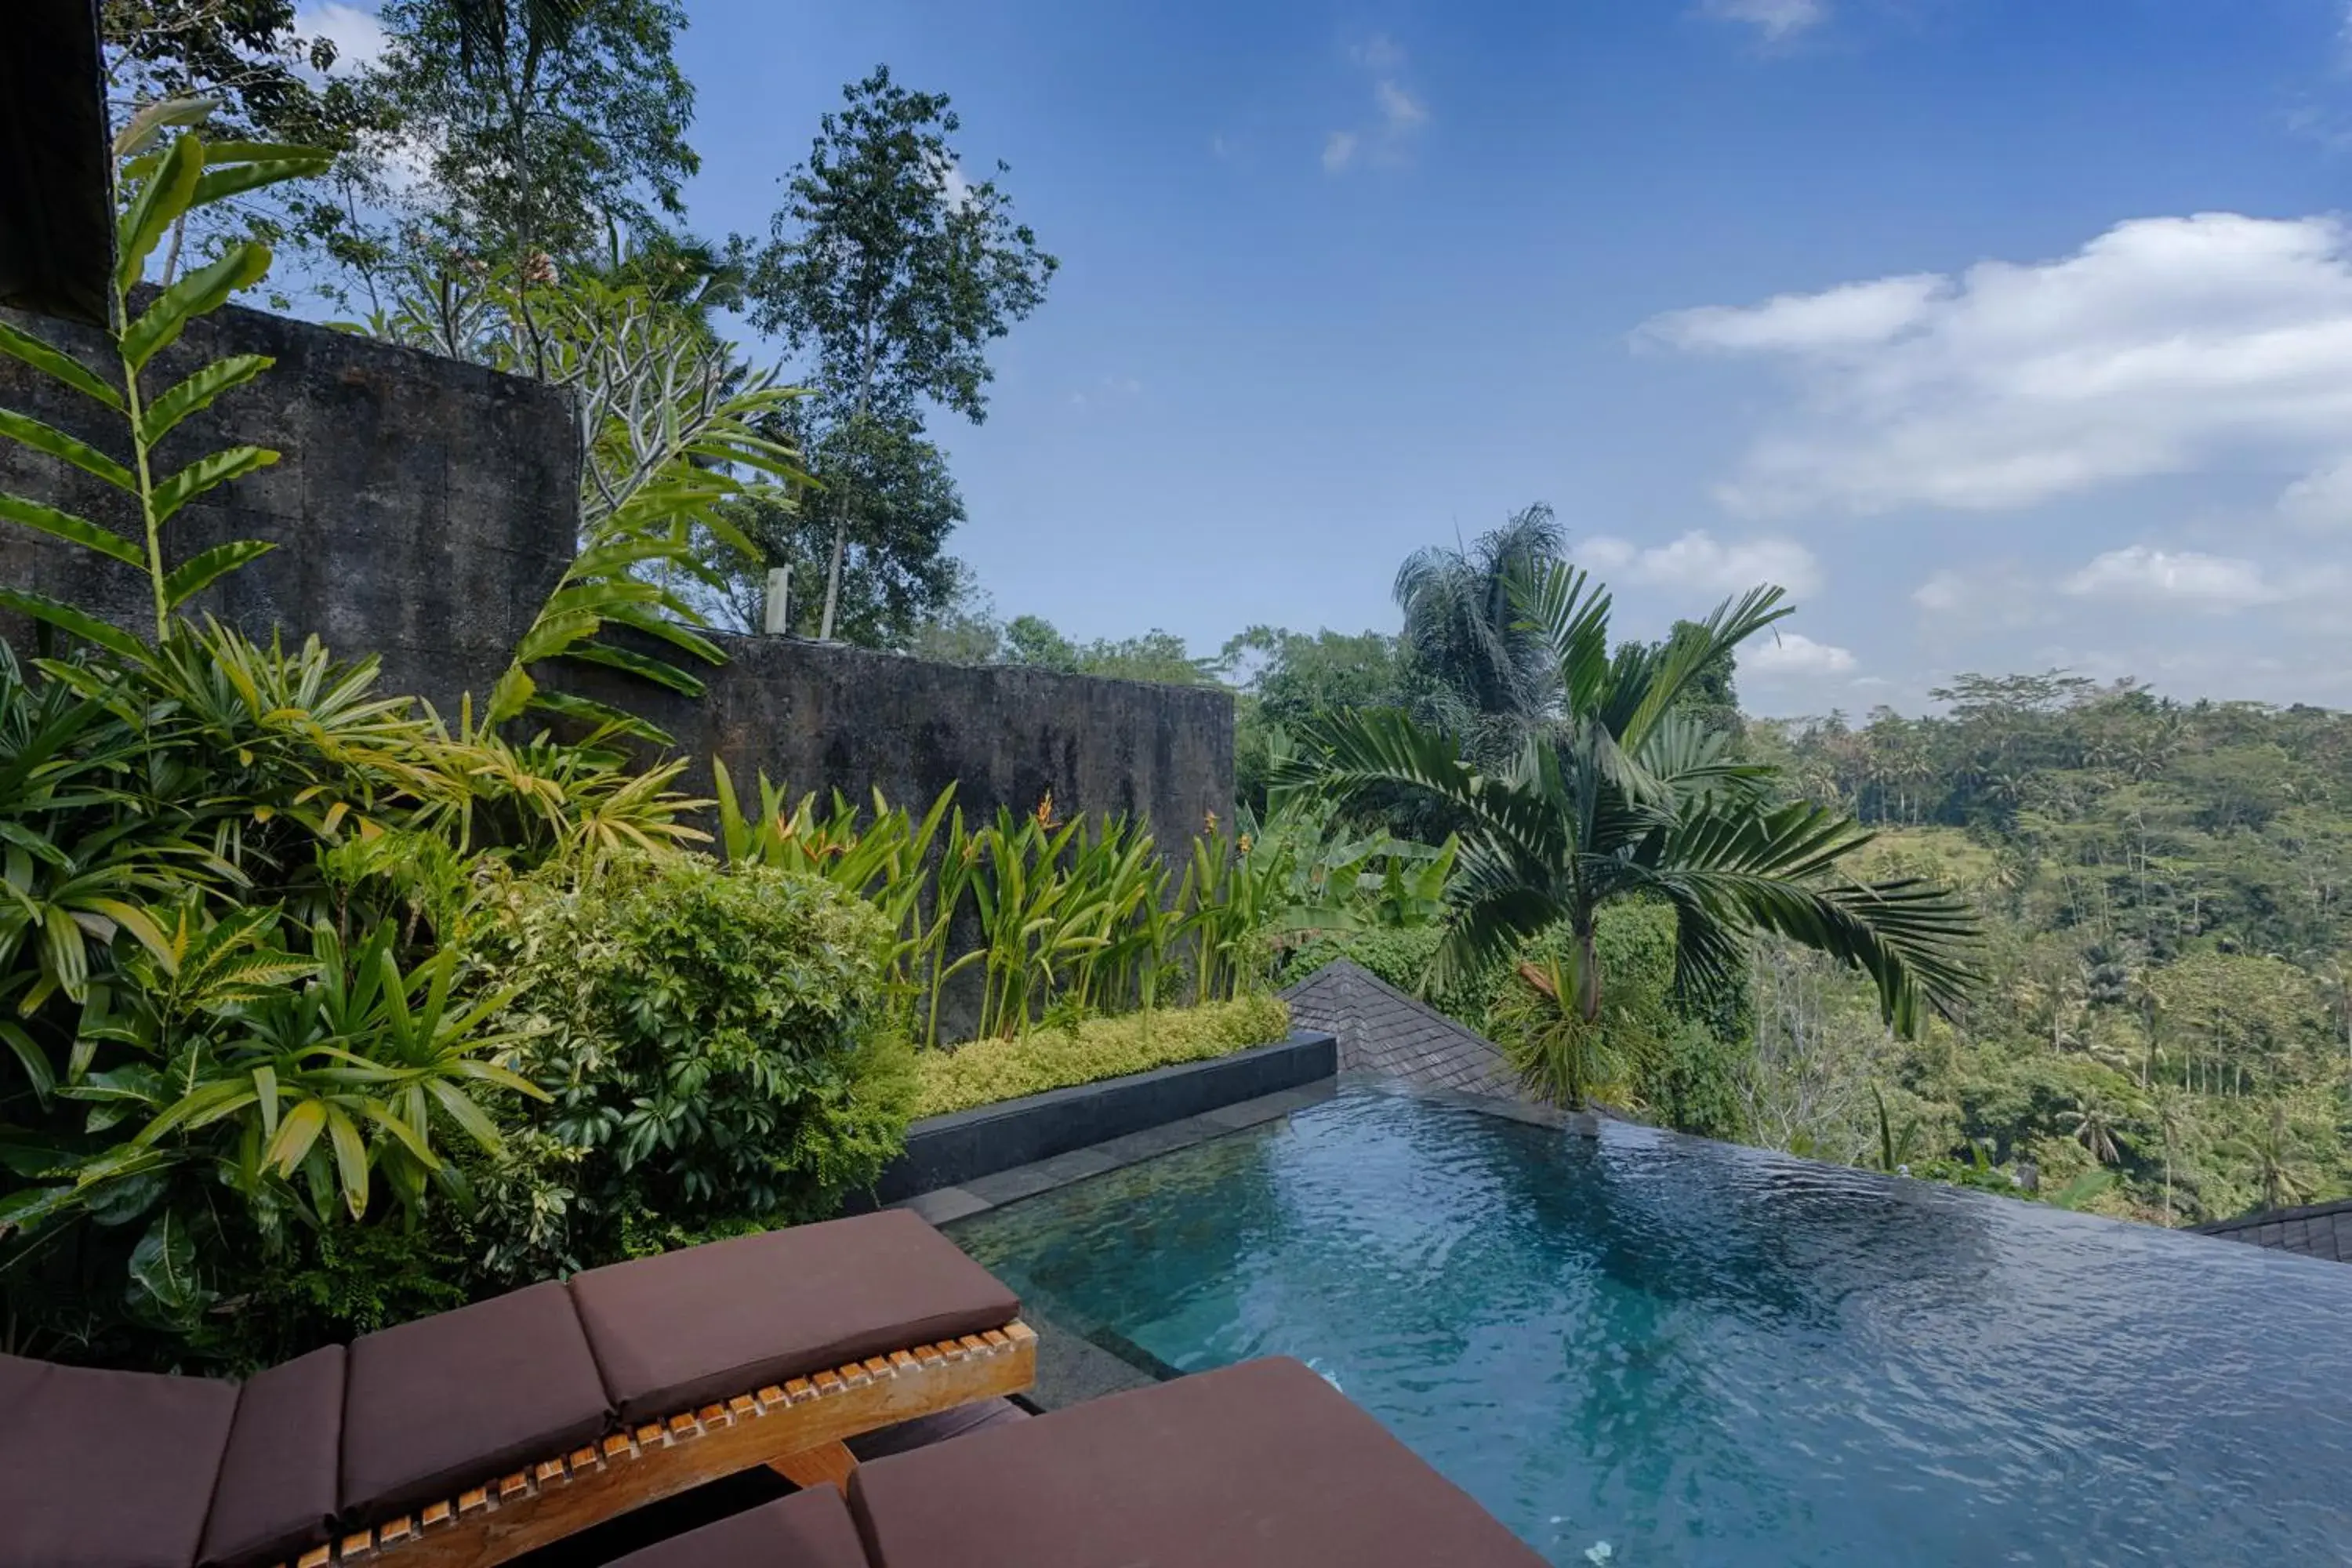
{"x":986,"y":1071}
{"x":717,"y":1050}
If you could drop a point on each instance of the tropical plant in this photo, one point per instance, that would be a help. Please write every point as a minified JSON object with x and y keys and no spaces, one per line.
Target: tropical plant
{"x":717,"y":1045}
{"x":1486,"y":675}
{"x":1626,"y":798}
{"x":674,"y":431}
{"x":160,"y":186}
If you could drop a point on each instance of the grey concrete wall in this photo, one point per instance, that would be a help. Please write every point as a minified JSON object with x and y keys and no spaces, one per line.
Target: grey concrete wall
{"x":423,"y":508}
{"x":823,"y":716}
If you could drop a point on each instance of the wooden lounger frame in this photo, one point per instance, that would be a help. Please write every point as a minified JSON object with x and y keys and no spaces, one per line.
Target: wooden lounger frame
{"x":796,"y":1430}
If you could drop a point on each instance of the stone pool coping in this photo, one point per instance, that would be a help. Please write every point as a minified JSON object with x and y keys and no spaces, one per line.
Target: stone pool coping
{"x":965,"y":1147}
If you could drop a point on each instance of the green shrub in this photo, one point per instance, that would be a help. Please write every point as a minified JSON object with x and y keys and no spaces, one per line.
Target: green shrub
{"x":719,"y":1051}
{"x":1673,"y":1058}
{"x":986,"y":1071}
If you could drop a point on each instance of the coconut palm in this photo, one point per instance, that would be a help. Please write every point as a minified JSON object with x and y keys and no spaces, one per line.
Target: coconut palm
{"x":1489,"y":681}
{"x":1624,"y":796}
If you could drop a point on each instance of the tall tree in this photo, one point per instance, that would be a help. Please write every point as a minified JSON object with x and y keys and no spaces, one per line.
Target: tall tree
{"x":896,"y":273}
{"x":1485,"y":676}
{"x":898,"y":486}
{"x":544,"y":124}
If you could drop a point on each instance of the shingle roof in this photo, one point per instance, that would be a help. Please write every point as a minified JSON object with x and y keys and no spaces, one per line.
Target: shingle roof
{"x":2315,"y":1230}
{"x":1382,"y":1030}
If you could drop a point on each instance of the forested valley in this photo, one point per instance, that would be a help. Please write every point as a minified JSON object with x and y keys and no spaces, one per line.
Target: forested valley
{"x":2161,"y":1026}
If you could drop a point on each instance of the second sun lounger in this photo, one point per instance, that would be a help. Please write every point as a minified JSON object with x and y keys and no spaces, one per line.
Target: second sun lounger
{"x":465,"y":1439}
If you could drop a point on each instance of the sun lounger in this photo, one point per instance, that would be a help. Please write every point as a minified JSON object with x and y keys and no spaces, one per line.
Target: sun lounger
{"x":465,"y":1439}
{"x":1260,"y":1466}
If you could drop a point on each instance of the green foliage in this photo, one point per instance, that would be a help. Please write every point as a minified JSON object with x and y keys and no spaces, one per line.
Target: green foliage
{"x":1073,"y":917}
{"x":677,"y":437}
{"x":2162,"y":884}
{"x":545,"y":129}
{"x":160,"y":188}
{"x":989,"y":1070}
{"x":1622,"y":796}
{"x":895,"y":274}
{"x":716,"y":1043}
{"x":1484,"y":672}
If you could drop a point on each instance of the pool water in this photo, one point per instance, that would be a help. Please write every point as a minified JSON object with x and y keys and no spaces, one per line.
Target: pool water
{"x":1648,"y":1350}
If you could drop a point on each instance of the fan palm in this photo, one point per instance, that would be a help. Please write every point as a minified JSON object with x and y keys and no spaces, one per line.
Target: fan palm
{"x":1490,"y":678}
{"x":1624,"y":796}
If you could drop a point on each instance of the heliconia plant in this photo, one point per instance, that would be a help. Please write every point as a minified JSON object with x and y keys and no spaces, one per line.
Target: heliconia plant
{"x":1085,"y":916}
{"x":161,"y":184}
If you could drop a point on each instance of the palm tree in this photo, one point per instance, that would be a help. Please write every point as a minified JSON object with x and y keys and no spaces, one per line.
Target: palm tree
{"x":1624,"y":796}
{"x":1490,"y":677}
{"x":2091,"y":1123}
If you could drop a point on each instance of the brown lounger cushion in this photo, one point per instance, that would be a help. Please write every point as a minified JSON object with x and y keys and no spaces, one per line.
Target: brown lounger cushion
{"x":107,"y":1469}
{"x":810,"y":1529}
{"x":1260,"y":1466}
{"x":694,"y":1327}
{"x":443,"y":1404}
{"x":277,"y":1492}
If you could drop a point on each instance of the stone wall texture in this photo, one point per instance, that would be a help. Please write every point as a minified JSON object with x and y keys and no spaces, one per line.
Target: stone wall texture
{"x":423,"y":508}
{"x":819,"y":716}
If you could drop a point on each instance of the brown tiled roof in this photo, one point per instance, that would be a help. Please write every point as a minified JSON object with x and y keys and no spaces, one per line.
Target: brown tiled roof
{"x":1382,"y":1030}
{"x":2315,"y":1230}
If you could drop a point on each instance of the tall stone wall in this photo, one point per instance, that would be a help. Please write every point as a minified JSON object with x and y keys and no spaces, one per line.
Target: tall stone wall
{"x":818,"y":716}
{"x":423,"y":508}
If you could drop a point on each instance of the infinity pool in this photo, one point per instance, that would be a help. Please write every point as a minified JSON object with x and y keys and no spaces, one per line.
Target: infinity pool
{"x":1647,"y":1350}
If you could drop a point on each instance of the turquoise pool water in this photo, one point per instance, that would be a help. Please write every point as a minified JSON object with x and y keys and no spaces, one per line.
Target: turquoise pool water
{"x":1645,"y":1350}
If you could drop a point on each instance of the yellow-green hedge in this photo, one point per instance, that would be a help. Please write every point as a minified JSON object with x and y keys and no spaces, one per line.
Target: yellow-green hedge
{"x":986,"y":1071}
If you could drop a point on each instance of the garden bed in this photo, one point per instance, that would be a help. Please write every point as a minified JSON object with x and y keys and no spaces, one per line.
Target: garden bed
{"x":963,"y":1146}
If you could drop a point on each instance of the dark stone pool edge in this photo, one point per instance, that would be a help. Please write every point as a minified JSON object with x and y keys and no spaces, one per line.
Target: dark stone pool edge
{"x":1100,"y":1125}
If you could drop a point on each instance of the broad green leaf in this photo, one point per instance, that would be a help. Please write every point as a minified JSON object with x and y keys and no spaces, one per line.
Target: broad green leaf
{"x":198,"y":571}
{"x":58,"y":444}
{"x":467,"y":1114}
{"x":161,"y":201}
{"x":142,"y":926}
{"x":265,"y":1094}
{"x":659,"y":671}
{"x":56,"y":363}
{"x":205,"y":289}
{"x":164,"y":1267}
{"x":198,"y":391}
{"x":565,"y":705}
{"x":212,"y":468}
{"x":31,"y":1059}
{"x":350,"y":1160}
{"x":234,"y":179}
{"x":22,"y":1211}
{"x":65,"y":618}
{"x":296,"y":1135}
{"x":133,"y":138}
{"x":73,"y":530}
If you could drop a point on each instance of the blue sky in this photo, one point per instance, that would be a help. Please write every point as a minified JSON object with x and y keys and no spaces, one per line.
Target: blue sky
{"x":2008,"y":333}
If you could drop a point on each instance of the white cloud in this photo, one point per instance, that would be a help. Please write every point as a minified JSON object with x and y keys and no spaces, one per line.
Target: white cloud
{"x":2322,"y":499}
{"x":2184,"y":579}
{"x":358,"y":37}
{"x":1793,"y":655}
{"x":1700,"y":562}
{"x":1942,"y":593}
{"x":1776,"y":19}
{"x":1401,"y":114}
{"x":1399,"y":109}
{"x":2164,"y":346}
